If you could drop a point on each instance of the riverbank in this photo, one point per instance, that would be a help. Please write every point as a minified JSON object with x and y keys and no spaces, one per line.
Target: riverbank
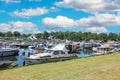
{"x":104,"y":67}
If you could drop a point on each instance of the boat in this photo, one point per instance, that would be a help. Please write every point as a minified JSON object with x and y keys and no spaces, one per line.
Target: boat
{"x":97,"y":53}
{"x":105,"y":49}
{"x":86,"y":45}
{"x":57,"y":53}
{"x":6,"y":50}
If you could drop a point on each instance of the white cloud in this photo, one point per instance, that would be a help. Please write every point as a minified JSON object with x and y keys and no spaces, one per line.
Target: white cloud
{"x":95,"y":24}
{"x":100,"y":20}
{"x":4,"y":27}
{"x":11,"y":1}
{"x":93,"y":6}
{"x":96,"y":29}
{"x":58,"y":22}
{"x":23,"y":27}
{"x":35,"y":0}
{"x":54,"y":9}
{"x":25,"y":13}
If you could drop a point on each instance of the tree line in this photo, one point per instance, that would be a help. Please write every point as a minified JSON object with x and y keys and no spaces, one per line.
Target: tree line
{"x":74,"y":36}
{"x":79,"y":36}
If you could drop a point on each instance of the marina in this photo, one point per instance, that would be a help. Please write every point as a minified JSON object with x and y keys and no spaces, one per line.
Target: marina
{"x":45,"y":52}
{"x":59,"y":40}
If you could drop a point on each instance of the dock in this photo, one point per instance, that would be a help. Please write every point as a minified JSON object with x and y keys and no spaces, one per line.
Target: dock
{"x":7,"y":64}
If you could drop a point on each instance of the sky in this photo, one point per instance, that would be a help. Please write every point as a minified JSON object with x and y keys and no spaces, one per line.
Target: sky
{"x":37,"y":16}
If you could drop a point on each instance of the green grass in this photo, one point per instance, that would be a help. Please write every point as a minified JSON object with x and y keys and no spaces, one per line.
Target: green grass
{"x":105,"y":67}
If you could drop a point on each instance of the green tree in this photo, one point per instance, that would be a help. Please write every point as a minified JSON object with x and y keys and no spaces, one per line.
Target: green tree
{"x":16,"y":34}
{"x":8,"y":34}
{"x":39,"y":35}
{"x":46,"y":35}
{"x":103,"y":36}
{"x":24,"y":35}
{"x":2,"y":34}
{"x":113,"y":36}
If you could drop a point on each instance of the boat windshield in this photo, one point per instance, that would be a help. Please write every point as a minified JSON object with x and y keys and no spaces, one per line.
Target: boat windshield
{"x":48,"y":51}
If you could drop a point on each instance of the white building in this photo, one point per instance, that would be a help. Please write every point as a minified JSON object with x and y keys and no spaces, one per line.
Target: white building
{"x":32,"y":37}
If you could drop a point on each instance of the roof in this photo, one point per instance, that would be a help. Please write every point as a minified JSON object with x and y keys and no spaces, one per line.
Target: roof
{"x":105,"y":46}
{"x":58,"y":47}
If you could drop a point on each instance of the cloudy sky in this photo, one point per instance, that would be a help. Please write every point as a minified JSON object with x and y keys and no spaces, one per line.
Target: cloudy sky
{"x":34,"y":16}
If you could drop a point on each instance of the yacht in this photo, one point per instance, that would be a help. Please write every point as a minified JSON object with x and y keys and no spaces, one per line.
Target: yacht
{"x":57,"y":53}
{"x":6,"y":50}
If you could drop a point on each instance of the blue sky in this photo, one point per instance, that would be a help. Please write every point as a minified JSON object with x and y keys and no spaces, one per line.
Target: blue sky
{"x":34,"y":16}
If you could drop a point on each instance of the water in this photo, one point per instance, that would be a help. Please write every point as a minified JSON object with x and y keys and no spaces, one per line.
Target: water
{"x":85,"y":53}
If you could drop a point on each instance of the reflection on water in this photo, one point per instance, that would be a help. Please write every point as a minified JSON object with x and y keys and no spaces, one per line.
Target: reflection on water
{"x":85,"y":53}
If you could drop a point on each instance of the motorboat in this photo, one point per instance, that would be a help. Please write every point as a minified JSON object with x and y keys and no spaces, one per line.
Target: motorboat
{"x":57,"y":53}
{"x":8,"y":52}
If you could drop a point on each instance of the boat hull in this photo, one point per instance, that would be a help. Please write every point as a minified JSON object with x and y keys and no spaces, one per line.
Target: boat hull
{"x":29,"y":61}
{"x":5,"y":53}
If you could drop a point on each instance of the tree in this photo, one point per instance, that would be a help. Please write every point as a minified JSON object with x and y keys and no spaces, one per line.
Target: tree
{"x":2,"y":34}
{"x":119,"y":36}
{"x":80,"y":36}
{"x":39,"y":35}
{"x":113,"y":36}
{"x":16,"y":34}
{"x":46,"y":35}
{"x":103,"y":36}
{"x":23,"y":35}
{"x":60,"y":35}
{"x":8,"y":34}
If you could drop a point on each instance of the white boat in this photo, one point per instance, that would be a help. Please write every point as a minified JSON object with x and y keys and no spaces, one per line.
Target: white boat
{"x":59,"y":52}
{"x":97,"y":53}
{"x":104,"y":49}
{"x":8,"y":52}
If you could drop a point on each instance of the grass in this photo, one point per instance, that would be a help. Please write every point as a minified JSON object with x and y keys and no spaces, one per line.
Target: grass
{"x":105,"y":67}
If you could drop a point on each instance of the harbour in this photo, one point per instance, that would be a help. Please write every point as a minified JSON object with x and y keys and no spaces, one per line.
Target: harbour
{"x":20,"y":53}
{"x":59,"y":40}
{"x":20,"y":59}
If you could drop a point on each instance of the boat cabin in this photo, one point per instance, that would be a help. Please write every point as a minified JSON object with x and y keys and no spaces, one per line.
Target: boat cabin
{"x":106,"y":48}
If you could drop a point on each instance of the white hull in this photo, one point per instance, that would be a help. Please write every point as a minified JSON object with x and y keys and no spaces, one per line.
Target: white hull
{"x":29,"y":61}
